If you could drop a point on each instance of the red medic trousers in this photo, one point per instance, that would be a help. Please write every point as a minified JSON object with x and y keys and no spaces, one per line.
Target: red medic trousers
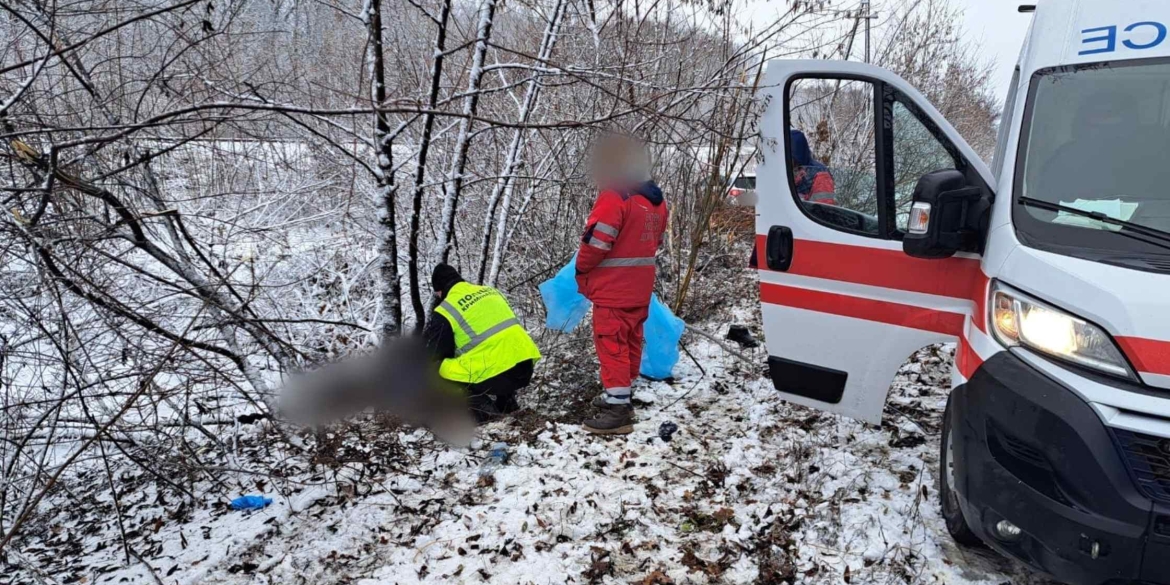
{"x":617,"y":335}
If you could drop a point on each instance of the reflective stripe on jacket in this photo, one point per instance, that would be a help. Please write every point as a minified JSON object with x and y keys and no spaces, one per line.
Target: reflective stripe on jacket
{"x":615,"y":263}
{"x":815,"y":183}
{"x":489,"y":339}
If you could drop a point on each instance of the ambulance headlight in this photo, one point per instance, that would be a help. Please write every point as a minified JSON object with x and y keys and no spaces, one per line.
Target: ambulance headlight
{"x":1020,"y":320}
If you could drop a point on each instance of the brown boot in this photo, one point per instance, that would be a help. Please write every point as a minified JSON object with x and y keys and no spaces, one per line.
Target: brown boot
{"x":615,"y":420}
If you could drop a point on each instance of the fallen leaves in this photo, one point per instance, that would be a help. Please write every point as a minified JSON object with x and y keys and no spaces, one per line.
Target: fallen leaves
{"x":696,"y":564}
{"x":713,"y":522}
{"x":600,"y":565}
{"x":656,"y":577}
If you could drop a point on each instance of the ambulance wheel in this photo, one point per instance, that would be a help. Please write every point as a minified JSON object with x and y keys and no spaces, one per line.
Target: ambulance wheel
{"x":952,"y":513}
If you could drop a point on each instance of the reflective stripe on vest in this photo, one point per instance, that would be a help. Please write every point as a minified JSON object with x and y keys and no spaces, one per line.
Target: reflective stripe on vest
{"x":618,"y":262}
{"x":454,"y":313}
{"x":476,"y":340}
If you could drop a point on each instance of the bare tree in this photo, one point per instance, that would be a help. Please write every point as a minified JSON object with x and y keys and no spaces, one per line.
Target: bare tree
{"x":386,"y":193}
{"x":454,"y":184}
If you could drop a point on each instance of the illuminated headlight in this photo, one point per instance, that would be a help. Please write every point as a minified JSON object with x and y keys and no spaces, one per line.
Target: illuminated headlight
{"x":1019,"y":319}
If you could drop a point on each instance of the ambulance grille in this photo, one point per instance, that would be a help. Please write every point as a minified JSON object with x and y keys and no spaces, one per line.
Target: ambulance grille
{"x":1148,"y":458}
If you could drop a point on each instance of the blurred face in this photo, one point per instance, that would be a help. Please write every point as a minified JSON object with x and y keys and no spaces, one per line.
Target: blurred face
{"x":619,"y":160}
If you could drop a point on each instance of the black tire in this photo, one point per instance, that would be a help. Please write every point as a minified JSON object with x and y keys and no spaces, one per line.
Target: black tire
{"x":948,"y":500}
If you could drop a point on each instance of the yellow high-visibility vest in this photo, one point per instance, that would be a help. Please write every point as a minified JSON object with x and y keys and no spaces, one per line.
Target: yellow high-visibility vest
{"x":489,"y":339}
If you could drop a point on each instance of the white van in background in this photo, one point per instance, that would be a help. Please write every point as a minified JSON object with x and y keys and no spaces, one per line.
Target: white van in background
{"x":742,"y":191}
{"x":1051,"y":271}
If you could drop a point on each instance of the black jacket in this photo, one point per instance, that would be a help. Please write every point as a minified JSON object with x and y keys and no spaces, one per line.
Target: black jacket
{"x":438,"y":335}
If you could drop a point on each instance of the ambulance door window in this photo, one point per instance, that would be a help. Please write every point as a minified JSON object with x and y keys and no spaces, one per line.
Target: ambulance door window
{"x":832,"y":152}
{"x":917,"y":151}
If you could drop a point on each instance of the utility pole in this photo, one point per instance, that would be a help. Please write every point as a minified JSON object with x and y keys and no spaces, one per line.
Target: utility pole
{"x":866,"y":13}
{"x":863,"y":11}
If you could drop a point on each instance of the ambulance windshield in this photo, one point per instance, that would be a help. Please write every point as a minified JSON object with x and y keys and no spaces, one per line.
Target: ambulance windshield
{"x":1095,"y":152}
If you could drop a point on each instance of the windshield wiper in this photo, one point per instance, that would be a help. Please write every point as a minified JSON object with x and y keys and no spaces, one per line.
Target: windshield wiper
{"x":1133,"y":230}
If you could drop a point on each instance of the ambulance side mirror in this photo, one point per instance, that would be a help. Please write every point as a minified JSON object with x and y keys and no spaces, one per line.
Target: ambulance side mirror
{"x":946,"y":216}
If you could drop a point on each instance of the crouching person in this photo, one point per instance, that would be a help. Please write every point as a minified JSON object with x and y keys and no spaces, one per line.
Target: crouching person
{"x":479,"y":344}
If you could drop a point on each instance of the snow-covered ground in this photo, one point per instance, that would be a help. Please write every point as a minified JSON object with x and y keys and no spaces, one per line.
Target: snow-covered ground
{"x":750,"y":490}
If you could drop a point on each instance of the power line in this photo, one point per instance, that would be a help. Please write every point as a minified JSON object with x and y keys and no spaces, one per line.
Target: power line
{"x":863,"y":12}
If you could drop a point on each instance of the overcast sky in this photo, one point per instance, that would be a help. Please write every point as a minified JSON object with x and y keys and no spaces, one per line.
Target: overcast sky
{"x":999,"y":28}
{"x":995,"y":26}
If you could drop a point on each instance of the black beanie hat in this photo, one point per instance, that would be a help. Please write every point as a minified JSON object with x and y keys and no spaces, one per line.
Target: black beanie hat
{"x":444,"y":277}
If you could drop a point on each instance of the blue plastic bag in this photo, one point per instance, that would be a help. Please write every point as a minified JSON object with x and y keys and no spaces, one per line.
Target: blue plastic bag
{"x":250,"y":502}
{"x":662,"y":331}
{"x":564,"y":305}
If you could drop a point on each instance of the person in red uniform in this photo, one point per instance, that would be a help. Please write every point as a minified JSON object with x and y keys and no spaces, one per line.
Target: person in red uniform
{"x":813,"y":180}
{"x":616,"y":271}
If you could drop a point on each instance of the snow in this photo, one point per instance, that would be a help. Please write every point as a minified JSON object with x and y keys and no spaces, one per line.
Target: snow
{"x":750,"y":489}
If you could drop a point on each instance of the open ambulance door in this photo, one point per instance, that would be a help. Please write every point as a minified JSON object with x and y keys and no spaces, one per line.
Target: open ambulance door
{"x":843,"y":305}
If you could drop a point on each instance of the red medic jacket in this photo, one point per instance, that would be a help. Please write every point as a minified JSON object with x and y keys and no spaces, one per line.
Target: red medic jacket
{"x":615,"y":264}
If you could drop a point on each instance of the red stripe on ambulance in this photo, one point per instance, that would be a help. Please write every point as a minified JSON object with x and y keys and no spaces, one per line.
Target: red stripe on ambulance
{"x":966,"y":359}
{"x":1149,"y":355}
{"x":951,"y":277}
{"x":910,"y":316}
{"x":960,"y":278}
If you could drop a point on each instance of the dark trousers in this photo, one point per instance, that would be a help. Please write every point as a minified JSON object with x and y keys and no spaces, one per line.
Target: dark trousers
{"x":497,"y":395}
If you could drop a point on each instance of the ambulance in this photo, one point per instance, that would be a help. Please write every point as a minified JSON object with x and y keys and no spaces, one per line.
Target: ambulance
{"x":1049,"y":269}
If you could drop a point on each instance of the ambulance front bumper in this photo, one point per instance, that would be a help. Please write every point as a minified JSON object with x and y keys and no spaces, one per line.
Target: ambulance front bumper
{"x":1032,"y":452}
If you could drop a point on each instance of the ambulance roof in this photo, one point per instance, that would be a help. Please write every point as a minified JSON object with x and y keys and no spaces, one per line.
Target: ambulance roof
{"x":1073,"y":32}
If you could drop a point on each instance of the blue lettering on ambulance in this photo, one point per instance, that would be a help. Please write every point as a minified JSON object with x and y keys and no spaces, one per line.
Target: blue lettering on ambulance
{"x":1158,"y":38}
{"x":1096,"y":41}
{"x":1110,"y":40}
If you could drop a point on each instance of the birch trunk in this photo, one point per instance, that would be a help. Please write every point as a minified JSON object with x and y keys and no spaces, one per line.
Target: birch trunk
{"x":386,"y":191}
{"x":420,"y":175}
{"x":454,"y":185}
{"x":503,"y":185}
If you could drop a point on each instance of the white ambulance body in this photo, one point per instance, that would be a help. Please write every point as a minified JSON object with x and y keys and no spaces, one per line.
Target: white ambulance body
{"x":1051,"y":272}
